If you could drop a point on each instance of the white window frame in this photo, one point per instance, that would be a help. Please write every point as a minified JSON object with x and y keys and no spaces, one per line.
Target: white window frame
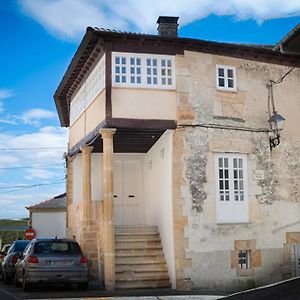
{"x":90,"y":89}
{"x":226,"y":78}
{"x":231,"y":210}
{"x":169,"y":79}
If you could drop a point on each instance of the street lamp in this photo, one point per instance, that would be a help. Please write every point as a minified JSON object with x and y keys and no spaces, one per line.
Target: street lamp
{"x":276,"y":121}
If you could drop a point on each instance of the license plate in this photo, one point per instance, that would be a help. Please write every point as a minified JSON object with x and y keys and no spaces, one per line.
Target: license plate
{"x":61,"y":263}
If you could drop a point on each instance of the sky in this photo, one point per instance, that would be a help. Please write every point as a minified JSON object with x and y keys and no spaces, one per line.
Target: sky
{"x":38,"y":41}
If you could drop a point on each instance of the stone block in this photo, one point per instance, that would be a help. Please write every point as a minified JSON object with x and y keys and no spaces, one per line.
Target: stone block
{"x":245,"y":245}
{"x":184,"y":113}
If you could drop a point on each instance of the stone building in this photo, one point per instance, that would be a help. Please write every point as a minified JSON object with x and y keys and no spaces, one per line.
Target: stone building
{"x":171,"y":177}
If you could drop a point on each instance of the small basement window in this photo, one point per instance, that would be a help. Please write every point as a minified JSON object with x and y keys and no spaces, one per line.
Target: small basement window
{"x":226,"y":78}
{"x":244,"y":259}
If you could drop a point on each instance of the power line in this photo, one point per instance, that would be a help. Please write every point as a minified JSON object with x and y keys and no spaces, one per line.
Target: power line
{"x":30,"y":186}
{"x":31,"y":149}
{"x":31,"y":167}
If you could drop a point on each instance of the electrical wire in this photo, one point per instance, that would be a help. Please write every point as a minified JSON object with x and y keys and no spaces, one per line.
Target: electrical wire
{"x":30,"y":186}
{"x":31,"y":167}
{"x":31,"y":149}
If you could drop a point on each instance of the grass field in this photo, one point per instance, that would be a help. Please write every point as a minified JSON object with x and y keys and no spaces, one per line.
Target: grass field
{"x":11,"y":230}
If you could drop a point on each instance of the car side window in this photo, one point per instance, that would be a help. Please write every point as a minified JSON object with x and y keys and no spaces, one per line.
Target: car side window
{"x":26,"y":250}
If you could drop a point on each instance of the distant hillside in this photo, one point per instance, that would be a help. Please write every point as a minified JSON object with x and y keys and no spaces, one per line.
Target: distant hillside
{"x":11,"y":230}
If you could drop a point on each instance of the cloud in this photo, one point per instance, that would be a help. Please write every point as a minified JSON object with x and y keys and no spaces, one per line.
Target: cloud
{"x":39,"y":173}
{"x":35,"y":115}
{"x":5,"y":93}
{"x":69,"y":18}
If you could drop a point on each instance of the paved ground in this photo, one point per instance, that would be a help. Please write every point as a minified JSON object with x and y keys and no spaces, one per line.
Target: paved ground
{"x":288,"y":290}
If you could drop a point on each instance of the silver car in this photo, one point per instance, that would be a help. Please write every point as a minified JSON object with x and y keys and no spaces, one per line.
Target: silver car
{"x":52,"y":261}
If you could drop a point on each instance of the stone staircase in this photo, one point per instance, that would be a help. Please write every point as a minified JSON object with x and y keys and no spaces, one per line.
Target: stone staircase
{"x":139,"y":258}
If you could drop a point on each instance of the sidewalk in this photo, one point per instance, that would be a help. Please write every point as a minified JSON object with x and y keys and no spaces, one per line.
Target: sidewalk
{"x":182,"y":297}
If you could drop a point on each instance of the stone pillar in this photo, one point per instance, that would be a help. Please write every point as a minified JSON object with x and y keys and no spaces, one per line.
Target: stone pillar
{"x":108,"y":228}
{"x":87,"y":189}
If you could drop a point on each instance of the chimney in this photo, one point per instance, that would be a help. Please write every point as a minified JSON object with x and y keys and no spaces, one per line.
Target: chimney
{"x":167,"y":26}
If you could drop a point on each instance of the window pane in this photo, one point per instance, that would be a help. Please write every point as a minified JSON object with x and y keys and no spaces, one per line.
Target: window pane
{"x":132,"y":61}
{"x":163,"y":72}
{"x":241,"y":174}
{"x":226,"y":184}
{"x":220,"y":173}
{"x":154,"y":80}
{"x":169,"y":63}
{"x":236,"y":187}
{"x":131,"y":70}
{"x":227,"y":197}
{"x":169,"y":72}
{"x":235,"y":163}
{"x":235,"y":173}
{"x":230,"y":73}
{"x":240,"y":163}
{"x":132,"y":79}
{"x":220,"y":162}
{"x":163,"y":62}
{"x":163,"y":81}
{"x":138,"y":61}
{"x":230,"y":83}
{"x":123,"y":70}
{"x":123,"y":60}
{"x":123,"y":79}
{"x":226,"y":162}
{"x":138,"y":71}
{"x":154,"y":71}
{"x":148,"y":80}
{"x":154,"y":62}
{"x":221,"y":82}
{"x":221,"y":185}
{"x":117,"y":60}
{"x":117,"y":69}
{"x":148,"y":71}
{"x":148,"y":62}
{"x":226,"y":173}
{"x":221,"y":72}
{"x":169,"y":81}
{"x":138,"y":79}
{"x":117,"y":78}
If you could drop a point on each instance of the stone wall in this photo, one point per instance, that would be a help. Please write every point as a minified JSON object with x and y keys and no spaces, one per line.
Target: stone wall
{"x":273,"y":177}
{"x":87,"y":232}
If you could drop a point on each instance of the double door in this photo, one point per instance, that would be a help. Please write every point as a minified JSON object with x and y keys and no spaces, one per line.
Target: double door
{"x":126,"y":197}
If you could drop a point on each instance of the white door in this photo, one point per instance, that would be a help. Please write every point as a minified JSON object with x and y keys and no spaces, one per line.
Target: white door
{"x":127,"y":202}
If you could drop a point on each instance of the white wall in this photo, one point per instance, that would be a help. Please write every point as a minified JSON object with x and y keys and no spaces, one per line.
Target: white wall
{"x":97,"y":177}
{"x":77,"y":179}
{"x":49,"y":224}
{"x":158,"y":195}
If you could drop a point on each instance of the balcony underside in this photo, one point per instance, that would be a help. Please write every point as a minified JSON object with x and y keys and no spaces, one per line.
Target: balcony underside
{"x":132,"y":136}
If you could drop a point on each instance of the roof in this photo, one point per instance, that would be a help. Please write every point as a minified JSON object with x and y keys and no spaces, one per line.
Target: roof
{"x":98,"y":40}
{"x":291,"y":42}
{"x":59,"y":201}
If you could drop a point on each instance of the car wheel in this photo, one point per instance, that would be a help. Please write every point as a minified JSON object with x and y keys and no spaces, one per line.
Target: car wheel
{"x":26,"y":285}
{"x":83,"y":286}
{"x":17,"y":283}
{"x":6,"y":278}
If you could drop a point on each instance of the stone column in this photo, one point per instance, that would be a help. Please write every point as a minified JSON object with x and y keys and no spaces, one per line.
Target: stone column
{"x":108,"y":229}
{"x":86,"y":176}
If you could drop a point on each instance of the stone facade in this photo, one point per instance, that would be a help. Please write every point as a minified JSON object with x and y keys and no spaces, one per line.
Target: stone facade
{"x":273,"y":177}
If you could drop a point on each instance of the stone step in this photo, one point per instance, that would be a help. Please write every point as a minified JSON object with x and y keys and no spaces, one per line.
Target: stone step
{"x":134,"y":260}
{"x":132,"y":276}
{"x":141,"y":268}
{"x":138,"y":245}
{"x":138,"y":252}
{"x":133,"y":236}
{"x":137,"y":239}
{"x":135,"y":229}
{"x":143,"y":284}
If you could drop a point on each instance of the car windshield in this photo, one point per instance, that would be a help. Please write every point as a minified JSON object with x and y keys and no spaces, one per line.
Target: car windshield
{"x":56,"y":247}
{"x":20,"y":246}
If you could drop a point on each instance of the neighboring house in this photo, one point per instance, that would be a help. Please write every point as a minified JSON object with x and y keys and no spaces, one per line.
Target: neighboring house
{"x":48,"y":218}
{"x":169,"y":148}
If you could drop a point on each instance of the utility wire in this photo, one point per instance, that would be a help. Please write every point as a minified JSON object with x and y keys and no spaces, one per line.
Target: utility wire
{"x":29,"y":149}
{"x":32,"y":186}
{"x":30,"y":167}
